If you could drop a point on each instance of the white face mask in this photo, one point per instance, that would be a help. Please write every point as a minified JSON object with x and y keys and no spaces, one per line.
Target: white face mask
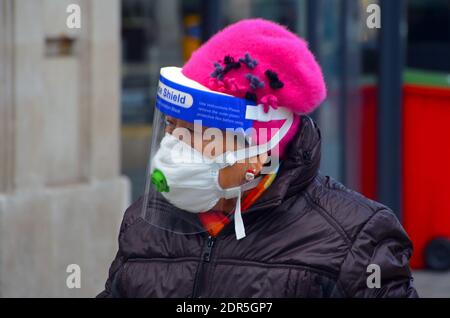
{"x":190,"y":181}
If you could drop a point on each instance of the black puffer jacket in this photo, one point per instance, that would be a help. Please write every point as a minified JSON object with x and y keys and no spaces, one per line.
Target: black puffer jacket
{"x":307,"y":236}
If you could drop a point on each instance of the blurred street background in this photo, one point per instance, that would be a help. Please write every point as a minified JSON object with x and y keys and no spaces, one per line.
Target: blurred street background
{"x":76,"y":107}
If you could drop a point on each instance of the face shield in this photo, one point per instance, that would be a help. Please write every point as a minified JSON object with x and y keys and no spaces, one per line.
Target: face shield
{"x":203,"y":154}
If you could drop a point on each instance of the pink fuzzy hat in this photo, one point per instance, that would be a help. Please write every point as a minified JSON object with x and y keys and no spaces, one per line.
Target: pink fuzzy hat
{"x":262,"y":61}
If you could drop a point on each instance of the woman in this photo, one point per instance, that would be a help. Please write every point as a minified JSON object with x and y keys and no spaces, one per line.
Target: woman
{"x":250,"y":215}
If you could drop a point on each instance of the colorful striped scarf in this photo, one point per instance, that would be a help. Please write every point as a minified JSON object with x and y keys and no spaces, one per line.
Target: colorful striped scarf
{"x":214,"y":221}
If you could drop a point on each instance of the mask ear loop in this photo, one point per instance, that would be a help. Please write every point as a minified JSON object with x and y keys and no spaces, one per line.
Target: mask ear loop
{"x":236,"y":192}
{"x":239,"y":227}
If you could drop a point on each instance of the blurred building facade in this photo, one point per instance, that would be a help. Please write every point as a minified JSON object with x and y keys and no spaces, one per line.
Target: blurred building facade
{"x":61,"y":193}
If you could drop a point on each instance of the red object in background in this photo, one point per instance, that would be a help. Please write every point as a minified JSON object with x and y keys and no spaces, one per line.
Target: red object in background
{"x":426,"y":166}
{"x":426,"y":162}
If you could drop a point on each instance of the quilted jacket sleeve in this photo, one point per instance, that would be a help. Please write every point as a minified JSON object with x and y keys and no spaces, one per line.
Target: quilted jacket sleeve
{"x":377,"y":265}
{"x":116,"y":264}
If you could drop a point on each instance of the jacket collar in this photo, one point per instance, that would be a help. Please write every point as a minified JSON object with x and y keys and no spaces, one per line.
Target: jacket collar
{"x":297,"y":170}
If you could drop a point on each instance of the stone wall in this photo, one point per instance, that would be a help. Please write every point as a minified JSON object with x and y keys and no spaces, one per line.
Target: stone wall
{"x":61,"y":194}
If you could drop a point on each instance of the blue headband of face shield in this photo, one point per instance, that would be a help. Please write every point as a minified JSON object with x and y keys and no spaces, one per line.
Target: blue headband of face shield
{"x":182,"y":98}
